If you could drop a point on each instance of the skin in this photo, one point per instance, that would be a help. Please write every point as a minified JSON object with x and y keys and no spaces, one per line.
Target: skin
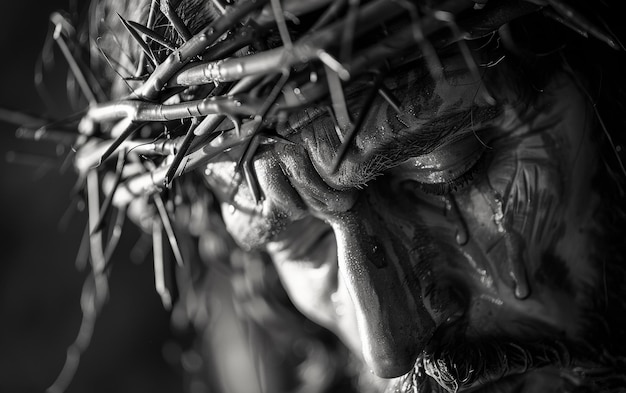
{"x":400,"y":270}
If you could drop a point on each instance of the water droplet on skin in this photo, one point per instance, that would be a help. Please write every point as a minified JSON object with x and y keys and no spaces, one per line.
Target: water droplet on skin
{"x":522,"y":291}
{"x":453,"y":213}
{"x":461,"y":238}
{"x":498,"y":215}
{"x":517,"y":265}
{"x":515,"y":252}
{"x":377,"y":256}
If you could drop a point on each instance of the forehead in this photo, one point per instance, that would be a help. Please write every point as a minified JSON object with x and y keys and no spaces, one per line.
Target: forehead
{"x":431,"y":113}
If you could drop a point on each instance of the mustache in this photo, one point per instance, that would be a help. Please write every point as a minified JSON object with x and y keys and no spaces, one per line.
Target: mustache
{"x":455,"y":363}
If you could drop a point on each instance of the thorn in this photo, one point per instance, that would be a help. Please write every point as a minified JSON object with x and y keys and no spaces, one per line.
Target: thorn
{"x":182,"y":151}
{"x":338,"y":129}
{"x":219,"y":6}
{"x":137,"y":37}
{"x":107,"y":202}
{"x":116,"y":234}
{"x":130,"y":129}
{"x":329,"y":14}
{"x":367,"y":104}
{"x":576,"y":21}
{"x":160,"y":265}
{"x":74,"y":67}
{"x":333,"y":64}
{"x":247,"y":159}
{"x":95,"y":240}
{"x":247,"y":164}
{"x":153,"y":35}
{"x":149,"y":24}
{"x":430,"y":54}
{"x":338,"y":99}
{"x":169,"y":230}
{"x":175,"y":20}
{"x":388,"y":96}
{"x":347,"y":38}
{"x":282,"y":24}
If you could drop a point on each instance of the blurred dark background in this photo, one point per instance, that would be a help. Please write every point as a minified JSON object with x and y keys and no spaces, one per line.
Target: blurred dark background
{"x":40,"y":285}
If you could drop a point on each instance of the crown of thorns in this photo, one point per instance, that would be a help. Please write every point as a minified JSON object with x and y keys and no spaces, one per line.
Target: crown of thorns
{"x":195,"y":96}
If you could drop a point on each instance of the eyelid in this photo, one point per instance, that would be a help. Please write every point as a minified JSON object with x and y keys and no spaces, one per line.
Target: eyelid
{"x":444,"y":169}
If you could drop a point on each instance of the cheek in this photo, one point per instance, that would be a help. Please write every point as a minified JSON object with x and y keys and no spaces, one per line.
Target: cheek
{"x":531,"y":221}
{"x":542,"y":188}
{"x":310,"y":280}
{"x":315,"y":286}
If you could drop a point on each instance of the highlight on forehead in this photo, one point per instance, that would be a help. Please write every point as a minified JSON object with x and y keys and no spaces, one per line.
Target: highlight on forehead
{"x":379,"y":151}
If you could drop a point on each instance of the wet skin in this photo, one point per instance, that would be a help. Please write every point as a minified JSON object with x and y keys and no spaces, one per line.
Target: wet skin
{"x":469,"y":216}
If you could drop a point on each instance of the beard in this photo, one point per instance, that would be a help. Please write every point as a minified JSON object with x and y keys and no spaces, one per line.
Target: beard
{"x":505,"y":364}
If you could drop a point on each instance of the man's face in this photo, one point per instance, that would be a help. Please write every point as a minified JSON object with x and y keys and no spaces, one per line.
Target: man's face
{"x":458,"y":244}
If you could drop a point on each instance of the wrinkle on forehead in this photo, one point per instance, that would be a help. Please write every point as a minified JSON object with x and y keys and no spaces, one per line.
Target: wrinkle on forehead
{"x":383,"y":144}
{"x":431,"y":113}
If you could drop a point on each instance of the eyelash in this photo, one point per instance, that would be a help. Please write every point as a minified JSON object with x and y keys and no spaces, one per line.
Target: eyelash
{"x":458,"y":183}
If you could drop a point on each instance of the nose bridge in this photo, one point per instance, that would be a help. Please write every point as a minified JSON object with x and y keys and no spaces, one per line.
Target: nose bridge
{"x":392,"y":320}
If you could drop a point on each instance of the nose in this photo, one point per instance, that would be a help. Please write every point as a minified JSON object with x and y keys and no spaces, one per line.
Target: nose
{"x":373,"y":260}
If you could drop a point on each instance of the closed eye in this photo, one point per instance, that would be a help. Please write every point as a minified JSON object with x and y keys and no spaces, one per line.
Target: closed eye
{"x":447,"y":169}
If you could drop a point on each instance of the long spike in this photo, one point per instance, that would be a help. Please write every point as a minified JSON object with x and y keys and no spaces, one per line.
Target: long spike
{"x":279,"y":15}
{"x":182,"y":150}
{"x":106,"y":206}
{"x":246,"y":162}
{"x":338,"y":130}
{"x":175,"y":20}
{"x":137,"y":37}
{"x":329,"y":14}
{"x":159,"y":264}
{"x":169,"y":230}
{"x":115,"y":69}
{"x":219,"y":6}
{"x":430,"y":54}
{"x":116,"y":234}
{"x":338,"y":99}
{"x":149,"y":24}
{"x":449,"y":19}
{"x":248,"y":168}
{"x":74,"y":67}
{"x":347,"y":36}
{"x":95,"y":239}
{"x":573,"y":16}
{"x":388,"y":96}
{"x":367,"y":104}
{"x":130,"y":129}
{"x":153,"y":35}
{"x":82,"y":255}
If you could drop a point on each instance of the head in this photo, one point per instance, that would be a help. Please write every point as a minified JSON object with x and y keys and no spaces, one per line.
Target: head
{"x":456,"y":223}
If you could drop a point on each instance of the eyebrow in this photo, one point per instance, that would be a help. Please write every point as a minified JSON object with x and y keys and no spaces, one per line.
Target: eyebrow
{"x":415,"y":142}
{"x":408,"y":140}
